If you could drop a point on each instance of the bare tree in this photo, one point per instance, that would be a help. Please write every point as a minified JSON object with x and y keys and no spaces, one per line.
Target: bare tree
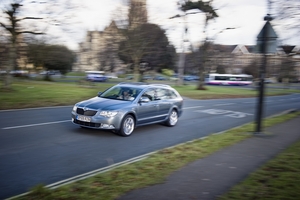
{"x":13,"y":27}
{"x":210,"y":14}
{"x":143,"y":44}
{"x":287,"y":17}
{"x":140,"y":45}
{"x":17,"y":25}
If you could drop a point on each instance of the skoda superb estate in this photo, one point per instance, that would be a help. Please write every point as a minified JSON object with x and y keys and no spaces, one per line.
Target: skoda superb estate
{"x":125,"y":106}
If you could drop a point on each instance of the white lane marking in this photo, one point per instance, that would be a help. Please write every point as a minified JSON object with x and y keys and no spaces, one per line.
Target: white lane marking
{"x":227,"y":113}
{"x":192,"y":107}
{"x":40,"y":124}
{"x":34,"y":108}
{"x":47,"y":123}
{"x":224,"y":104}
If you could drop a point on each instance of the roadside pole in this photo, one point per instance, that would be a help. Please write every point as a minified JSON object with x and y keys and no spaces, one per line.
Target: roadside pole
{"x":266,"y":43}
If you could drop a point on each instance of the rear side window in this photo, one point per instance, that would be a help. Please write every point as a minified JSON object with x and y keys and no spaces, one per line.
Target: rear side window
{"x":162,"y":93}
{"x":172,"y":94}
{"x":155,"y":94}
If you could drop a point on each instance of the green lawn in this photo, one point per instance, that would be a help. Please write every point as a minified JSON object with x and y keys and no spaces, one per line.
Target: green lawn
{"x":28,"y":93}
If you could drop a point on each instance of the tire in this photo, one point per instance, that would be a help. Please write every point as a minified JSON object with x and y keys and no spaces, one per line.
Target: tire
{"x":127,"y":126}
{"x":172,"y":119}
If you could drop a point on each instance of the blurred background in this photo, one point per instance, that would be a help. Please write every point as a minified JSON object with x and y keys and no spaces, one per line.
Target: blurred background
{"x":143,"y":40}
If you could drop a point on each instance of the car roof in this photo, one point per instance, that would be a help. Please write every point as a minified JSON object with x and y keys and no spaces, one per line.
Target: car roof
{"x":143,"y":85}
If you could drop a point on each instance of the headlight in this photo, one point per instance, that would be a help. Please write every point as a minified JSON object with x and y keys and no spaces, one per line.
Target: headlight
{"x":75,"y":108}
{"x":108,"y":113}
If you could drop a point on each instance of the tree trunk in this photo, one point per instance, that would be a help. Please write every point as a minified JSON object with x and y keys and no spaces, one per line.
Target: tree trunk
{"x":136,"y":70}
{"x":9,"y":67}
{"x":181,"y":68}
{"x":202,"y":70}
{"x":201,"y":82}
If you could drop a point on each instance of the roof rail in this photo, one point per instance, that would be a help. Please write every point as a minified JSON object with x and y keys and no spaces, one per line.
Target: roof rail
{"x":162,"y":85}
{"x":133,"y":83}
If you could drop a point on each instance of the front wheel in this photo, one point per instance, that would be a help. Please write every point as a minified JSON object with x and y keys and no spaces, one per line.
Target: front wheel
{"x":127,"y":126}
{"x":172,"y":119}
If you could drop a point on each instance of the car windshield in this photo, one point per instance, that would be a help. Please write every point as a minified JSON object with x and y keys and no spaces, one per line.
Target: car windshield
{"x":121,"y":93}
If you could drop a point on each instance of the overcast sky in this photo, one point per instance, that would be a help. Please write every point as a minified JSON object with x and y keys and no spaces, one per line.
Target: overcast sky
{"x":244,"y":15}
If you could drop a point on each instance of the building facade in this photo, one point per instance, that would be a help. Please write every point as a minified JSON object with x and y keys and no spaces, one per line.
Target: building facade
{"x":237,"y":59}
{"x":99,"y":51}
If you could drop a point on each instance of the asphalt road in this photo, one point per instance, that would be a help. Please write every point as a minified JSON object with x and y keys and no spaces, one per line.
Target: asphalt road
{"x":42,"y":146}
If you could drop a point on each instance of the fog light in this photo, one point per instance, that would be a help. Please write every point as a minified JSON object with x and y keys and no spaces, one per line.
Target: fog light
{"x":107,"y":126}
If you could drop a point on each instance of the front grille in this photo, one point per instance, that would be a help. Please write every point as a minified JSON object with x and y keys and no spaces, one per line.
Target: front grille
{"x":89,"y":124}
{"x":81,"y":111}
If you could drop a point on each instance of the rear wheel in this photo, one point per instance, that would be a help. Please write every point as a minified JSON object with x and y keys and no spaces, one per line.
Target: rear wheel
{"x":172,"y":119}
{"x":127,"y":126}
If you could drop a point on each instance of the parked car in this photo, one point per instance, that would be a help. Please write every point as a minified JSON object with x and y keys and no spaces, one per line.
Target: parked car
{"x":147,"y":77}
{"x":19,"y":73}
{"x":188,"y":78}
{"x":96,"y":77}
{"x":174,"y":77}
{"x":267,"y":80}
{"x":111,"y":76}
{"x":195,"y":78}
{"x":129,"y":77}
{"x":159,"y":78}
{"x":147,"y":104}
{"x":51,"y":73}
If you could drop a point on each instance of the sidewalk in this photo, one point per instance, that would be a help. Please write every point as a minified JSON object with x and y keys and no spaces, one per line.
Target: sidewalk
{"x":214,"y":175}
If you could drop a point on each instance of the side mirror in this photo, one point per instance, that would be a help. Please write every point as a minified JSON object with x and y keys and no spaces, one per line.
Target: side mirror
{"x":144,"y":100}
{"x":99,"y":93}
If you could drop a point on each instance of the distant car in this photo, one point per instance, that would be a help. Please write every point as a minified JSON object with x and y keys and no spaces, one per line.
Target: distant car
{"x":188,"y":78}
{"x":147,"y":77}
{"x":19,"y":73}
{"x":159,"y":78}
{"x":268,"y":81}
{"x":96,"y":77}
{"x":111,"y":76}
{"x":129,"y":77}
{"x":52,"y":73}
{"x":195,"y":78}
{"x":146,"y":104}
{"x":174,"y":77}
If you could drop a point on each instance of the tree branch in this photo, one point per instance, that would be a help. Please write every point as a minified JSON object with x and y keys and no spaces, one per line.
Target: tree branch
{"x":31,"y":32}
{"x":3,"y":25}
{"x":17,"y":20}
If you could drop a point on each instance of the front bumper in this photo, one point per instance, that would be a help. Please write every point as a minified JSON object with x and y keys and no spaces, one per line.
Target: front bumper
{"x":97,"y":122}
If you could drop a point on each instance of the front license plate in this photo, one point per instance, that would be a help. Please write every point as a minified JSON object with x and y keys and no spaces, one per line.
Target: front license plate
{"x":83,"y":118}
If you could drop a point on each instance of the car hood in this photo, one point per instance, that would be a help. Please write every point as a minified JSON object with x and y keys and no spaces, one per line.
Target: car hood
{"x":98,"y":103}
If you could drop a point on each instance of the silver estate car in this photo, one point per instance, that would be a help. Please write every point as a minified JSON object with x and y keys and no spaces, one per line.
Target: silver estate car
{"x":125,"y":106}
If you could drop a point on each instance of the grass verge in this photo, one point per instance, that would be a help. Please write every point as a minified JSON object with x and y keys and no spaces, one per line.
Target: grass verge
{"x":158,"y":166}
{"x":278,"y":179}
